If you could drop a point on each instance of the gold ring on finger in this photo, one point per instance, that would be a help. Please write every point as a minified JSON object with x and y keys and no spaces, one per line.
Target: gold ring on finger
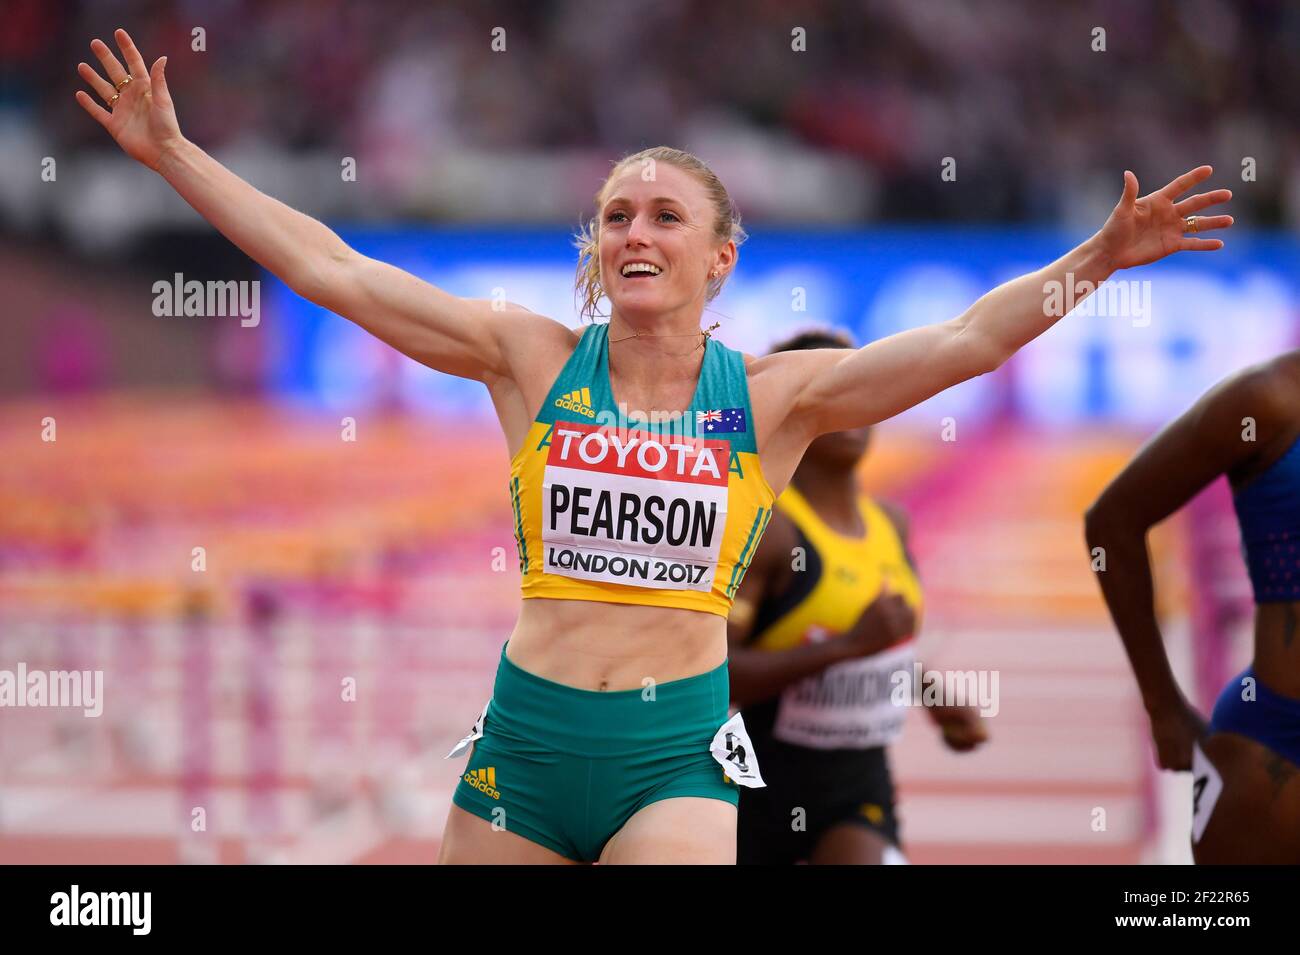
{"x":114,"y":99}
{"x":1190,"y":223}
{"x":125,"y":80}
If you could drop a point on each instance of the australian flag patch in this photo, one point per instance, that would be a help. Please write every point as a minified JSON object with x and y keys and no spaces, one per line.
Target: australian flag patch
{"x":721,"y":421}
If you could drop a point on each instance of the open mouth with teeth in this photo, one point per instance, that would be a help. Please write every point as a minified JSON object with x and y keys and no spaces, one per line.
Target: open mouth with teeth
{"x":640,"y":270}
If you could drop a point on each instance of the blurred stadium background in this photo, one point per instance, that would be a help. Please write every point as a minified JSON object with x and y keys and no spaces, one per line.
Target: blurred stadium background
{"x":389,"y":560}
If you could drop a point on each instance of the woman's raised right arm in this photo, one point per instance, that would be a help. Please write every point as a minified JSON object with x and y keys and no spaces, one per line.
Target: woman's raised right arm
{"x":458,"y":336}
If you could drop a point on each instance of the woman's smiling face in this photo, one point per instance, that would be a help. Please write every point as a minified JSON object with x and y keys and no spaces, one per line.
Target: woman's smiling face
{"x":658,"y":243}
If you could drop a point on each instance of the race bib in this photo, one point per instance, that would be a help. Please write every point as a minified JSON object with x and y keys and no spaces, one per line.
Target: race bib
{"x":848,"y":705}
{"x":474,"y":734}
{"x":734,"y":752}
{"x":634,"y":508}
{"x":1207,"y":785}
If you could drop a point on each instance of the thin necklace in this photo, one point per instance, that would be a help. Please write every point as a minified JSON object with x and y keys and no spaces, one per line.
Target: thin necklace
{"x":704,"y":333}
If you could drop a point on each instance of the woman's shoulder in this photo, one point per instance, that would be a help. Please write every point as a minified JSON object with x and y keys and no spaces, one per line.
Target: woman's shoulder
{"x":791,"y":363}
{"x":534,"y":346}
{"x":516,"y":318}
{"x":1270,"y":388}
{"x":777,"y":380}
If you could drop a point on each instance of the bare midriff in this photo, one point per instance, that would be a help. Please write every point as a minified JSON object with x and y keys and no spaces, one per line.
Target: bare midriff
{"x":1277,"y":647}
{"x":609,"y":646}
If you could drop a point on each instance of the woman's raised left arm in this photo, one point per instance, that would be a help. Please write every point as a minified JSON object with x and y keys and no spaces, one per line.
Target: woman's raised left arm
{"x":836,"y":390}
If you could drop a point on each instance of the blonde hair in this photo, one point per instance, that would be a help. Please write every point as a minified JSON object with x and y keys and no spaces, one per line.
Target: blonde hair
{"x":726,"y":225}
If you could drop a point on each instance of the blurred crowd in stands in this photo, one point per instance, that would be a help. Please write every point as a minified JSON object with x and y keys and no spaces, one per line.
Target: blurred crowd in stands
{"x":1020,"y":93}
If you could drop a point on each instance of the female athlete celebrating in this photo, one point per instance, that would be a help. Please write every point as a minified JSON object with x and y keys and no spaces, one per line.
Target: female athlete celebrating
{"x":1246,"y":764}
{"x":611,"y":696}
{"x":825,"y":619}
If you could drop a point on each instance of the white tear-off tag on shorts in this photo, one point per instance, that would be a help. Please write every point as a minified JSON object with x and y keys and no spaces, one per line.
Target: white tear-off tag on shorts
{"x":474,"y":734}
{"x":1207,"y":785}
{"x":734,"y":751}
{"x":893,"y":856}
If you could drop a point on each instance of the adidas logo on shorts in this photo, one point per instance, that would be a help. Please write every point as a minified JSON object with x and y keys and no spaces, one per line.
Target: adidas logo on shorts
{"x":484,"y":780}
{"x":578,"y":400}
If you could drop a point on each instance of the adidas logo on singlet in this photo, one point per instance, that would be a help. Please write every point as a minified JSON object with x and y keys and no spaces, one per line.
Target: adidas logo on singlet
{"x":578,"y":400}
{"x":484,"y":780}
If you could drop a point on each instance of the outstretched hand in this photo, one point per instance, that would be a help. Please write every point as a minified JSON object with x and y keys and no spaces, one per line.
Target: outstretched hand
{"x":142,"y":119}
{"x":1146,"y":230}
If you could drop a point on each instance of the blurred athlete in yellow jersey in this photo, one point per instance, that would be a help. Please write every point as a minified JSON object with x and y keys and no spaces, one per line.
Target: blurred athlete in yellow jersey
{"x":826,"y":615}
